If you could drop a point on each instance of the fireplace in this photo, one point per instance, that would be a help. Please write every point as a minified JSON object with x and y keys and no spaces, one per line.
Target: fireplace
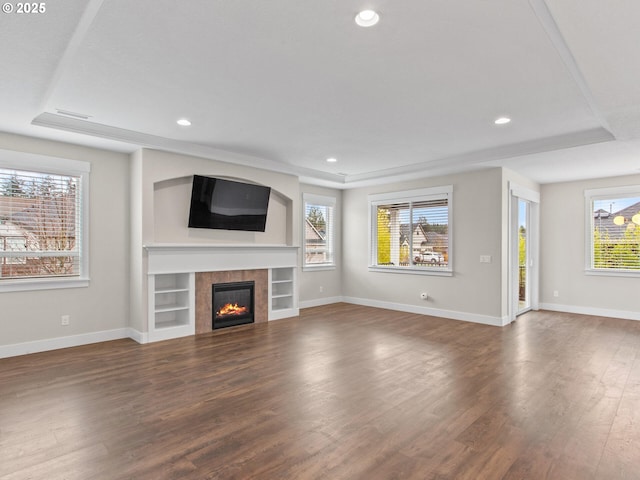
{"x":233,"y":304}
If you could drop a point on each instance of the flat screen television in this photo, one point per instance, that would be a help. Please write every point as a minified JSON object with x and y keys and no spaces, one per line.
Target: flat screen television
{"x":227,"y":205}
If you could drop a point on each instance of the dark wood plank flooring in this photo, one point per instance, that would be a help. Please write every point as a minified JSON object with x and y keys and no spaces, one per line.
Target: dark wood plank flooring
{"x":343,"y":392}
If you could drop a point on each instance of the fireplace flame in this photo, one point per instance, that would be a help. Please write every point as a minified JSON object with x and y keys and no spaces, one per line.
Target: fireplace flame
{"x":232,"y":309}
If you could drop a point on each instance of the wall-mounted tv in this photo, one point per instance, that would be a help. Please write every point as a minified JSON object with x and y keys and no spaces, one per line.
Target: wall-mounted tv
{"x":227,"y":205}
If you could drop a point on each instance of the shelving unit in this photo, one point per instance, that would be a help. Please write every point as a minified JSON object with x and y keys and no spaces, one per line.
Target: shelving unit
{"x":171,"y":273}
{"x":171,"y":308}
{"x":282,"y":293}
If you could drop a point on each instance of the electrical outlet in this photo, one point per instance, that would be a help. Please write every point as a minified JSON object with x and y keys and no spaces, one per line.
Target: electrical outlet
{"x":485,"y":258}
{"x":556,"y":293}
{"x":321,"y":289}
{"x":64,"y":320}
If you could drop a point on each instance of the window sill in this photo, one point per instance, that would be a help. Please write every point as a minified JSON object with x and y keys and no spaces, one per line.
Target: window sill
{"x":318,"y":268}
{"x":413,"y":271}
{"x":612,"y":273}
{"x":41,"y":284}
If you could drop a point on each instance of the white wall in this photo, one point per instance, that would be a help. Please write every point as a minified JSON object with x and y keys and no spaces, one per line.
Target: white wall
{"x":562,"y":249}
{"x":474,"y":290}
{"x":138,"y":266}
{"x":30,"y":320}
{"x":143,"y":199}
{"x":330,"y":281}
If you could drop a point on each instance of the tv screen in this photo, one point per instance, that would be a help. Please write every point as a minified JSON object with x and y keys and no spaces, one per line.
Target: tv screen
{"x":228,"y":205}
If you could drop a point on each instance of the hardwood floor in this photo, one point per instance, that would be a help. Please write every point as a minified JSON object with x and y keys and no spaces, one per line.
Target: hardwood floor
{"x":345,"y":392}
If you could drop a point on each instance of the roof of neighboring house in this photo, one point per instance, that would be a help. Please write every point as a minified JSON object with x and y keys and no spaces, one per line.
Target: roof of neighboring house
{"x":601,"y":213}
{"x":312,"y":234}
{"x":604,"y":221}
{"x":13,"y":204}
{"x":430,"y":238}
{"x":34,"y":213}
{"x":10,"y":229}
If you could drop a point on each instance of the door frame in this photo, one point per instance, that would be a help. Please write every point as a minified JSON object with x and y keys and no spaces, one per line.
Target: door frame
{"x":517,"y":192}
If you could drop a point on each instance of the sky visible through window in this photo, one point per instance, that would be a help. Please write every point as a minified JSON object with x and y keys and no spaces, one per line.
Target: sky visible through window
{"x":614,"y":205}
{"x":522,"y":213}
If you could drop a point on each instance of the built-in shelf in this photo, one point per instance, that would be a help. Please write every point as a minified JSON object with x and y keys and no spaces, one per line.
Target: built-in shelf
{"x":171,"y":308}
{"x":170,"y":323}
{"x":171,"y":290}
{"x":281,"y":293}
{"x":171,"y":273}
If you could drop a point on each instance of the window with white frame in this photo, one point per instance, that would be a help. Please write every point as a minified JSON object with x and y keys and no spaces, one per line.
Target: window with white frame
{"x":411,"y":230}
{"x":613,"y":230}
{"x":319,"y":231}
{"x":42,"y":223}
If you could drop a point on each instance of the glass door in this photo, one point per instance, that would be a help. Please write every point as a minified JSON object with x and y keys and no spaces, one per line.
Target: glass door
{"x":524,"y":250}
{"x":524,"y":256}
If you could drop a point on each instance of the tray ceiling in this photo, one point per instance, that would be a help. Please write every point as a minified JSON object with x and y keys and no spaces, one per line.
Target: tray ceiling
{"x":286,"y":85}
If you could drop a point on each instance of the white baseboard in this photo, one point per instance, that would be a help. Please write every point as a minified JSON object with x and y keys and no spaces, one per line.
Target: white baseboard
{"x":282,"y":314}
{"x":598,"y":312}
{"x":63,"y":342}
{"x":138,"y":336}
{"x":318,"y":302}
{"x":142,"y":337}
{"x":464,"y":316}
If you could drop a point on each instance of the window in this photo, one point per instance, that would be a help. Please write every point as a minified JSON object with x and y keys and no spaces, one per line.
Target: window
{"x":613,"y":230}
{"x":42,"y":222}
{"x":411,"y":231}
{"x":319,"y":231}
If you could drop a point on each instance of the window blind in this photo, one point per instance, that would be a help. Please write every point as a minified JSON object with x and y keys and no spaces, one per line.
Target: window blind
{"x":615,"y":233}
{"x":412,"y":232}
{"x":319,"y":231}
{"x":40,"y":224}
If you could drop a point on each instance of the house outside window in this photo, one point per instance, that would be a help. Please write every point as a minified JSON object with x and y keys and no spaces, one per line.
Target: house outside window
{"x":43,"y":235}
{"x":613,"y":231}
{"x":411,"y":231}
{"x":319,"y":232}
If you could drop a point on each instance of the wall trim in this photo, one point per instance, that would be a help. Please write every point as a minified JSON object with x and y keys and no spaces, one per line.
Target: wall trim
{"x":435,"y":312}
{"x":318,"y":302}
{"x":138,"y":336}
{"x":63,"y":342}
{"x":594,"y":311}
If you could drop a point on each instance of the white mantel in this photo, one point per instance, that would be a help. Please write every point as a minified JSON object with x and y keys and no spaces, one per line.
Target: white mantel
{"x":185,"y":258}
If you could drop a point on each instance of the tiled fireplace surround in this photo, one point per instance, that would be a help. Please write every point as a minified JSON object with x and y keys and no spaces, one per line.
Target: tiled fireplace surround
{"x":204,"y":280}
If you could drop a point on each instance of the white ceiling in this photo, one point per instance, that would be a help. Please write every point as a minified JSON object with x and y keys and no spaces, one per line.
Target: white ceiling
{"x":284,"y":85}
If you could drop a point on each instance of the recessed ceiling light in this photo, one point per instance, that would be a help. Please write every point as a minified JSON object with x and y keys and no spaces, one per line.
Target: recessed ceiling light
{"x":367,"y":18}
{"x":184,"y":122}
{"x":332,"y":160}
{"x":502,"y":120}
